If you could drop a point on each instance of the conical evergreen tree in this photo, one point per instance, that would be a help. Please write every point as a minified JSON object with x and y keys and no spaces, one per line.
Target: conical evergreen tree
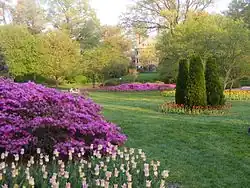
{"x":181,"y":85}
{"x":214,"y":87}
{"x":196,"y":87}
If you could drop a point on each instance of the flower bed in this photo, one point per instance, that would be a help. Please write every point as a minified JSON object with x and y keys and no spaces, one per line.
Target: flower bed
{"x":172,"y":107}
{"x":34,"y":116}
{"x":121,"y":168}
{"x":239,"y":95}
{"x":141,"y":87}
{"x":168,"y":93}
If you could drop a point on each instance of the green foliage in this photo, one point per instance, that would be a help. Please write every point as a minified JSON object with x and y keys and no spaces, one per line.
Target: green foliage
{"x":214,"y":87}
{"x":95,"y":60}
{"x":90,"y":35}
{"x":117,"y":68}
{"x":112,"y":82}
{"x":20,"y":49}
{"x":196,"y":87}
{"x":208,"y":35}
{"x":71,"y":16}
{"x":181,"y":85}
{"x":109,"y":59}
{"x":239,"y":9}
{"x":60,"y":55}
{"x":150,"y":77}
{"x":80,"y":79}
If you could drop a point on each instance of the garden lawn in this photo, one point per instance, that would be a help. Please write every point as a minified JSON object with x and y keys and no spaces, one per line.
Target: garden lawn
{"x":199,"y":151}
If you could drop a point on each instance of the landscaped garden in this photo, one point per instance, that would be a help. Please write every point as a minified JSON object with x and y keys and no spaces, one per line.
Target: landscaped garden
{"x":199,"y":151}
{"x":84,"y":104}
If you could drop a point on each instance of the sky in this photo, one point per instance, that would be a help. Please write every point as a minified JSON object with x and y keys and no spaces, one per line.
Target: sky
{"x":109,"y":11}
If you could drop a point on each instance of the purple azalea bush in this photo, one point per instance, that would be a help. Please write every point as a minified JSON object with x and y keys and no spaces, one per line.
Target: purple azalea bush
{"x":33,"y":116}
{"x":141,"y":87}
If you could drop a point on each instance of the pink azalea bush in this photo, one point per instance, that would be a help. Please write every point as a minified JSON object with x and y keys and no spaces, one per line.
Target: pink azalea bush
{"x":141,"y":87}
{"x":33,"y":116}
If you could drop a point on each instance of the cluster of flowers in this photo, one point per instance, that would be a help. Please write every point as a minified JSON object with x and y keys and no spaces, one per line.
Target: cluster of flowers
{"x":34,"y":116}
{"x":124,"y":168}
{"x":141,"y":87}
{"x":172,"y":107}
{"x":168,"y":93}
{"x":239,"y":95}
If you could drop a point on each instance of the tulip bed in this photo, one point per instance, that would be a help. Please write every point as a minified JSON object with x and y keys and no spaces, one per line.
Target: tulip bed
{"x":141,"y":87}
{"x":168,"y":93}
{"x":239,"y":95}
{"x":235,"y":95}
{"x":172,"y":107}
{"x":125,"y":168}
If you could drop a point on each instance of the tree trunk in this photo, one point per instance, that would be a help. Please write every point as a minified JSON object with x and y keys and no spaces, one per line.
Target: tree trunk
{"x":93,"y":80}
{"x":57,"y":83}
{"x":34,"y":77}
{"x":225,"y":85}
{"x":231,"y":87}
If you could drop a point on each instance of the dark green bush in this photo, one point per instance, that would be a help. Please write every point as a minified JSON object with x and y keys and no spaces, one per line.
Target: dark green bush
{"x":111,"y":82}
{"x":181,"y":85}
{"x":196,"y":87}
{"x":116,"y":69}
{"x":214,"y":87}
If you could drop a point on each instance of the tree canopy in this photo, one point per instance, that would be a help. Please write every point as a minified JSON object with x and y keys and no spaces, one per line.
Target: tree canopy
{"x":209,"y":35}
{"x":161,"y":14}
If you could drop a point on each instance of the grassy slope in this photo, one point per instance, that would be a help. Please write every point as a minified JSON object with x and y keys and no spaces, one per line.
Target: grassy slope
{"x":200,"y":151}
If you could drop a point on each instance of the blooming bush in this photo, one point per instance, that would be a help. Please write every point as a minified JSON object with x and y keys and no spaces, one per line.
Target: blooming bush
{"x":172,"y":107}
{"x":141,"y":87}
{"x":239,"y":95}
{"x":34,"y":116}
{"x":125,"y":168}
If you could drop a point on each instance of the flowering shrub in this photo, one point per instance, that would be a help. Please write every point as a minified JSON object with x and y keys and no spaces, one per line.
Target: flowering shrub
{"x":125,"y":168}
{"x":208,"y":110}
{"x":35,"y":116}
{"x":237,"y":95}
{"x":141,"y":87}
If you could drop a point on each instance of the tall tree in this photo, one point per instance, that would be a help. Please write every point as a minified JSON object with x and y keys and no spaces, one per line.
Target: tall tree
{"x":60,"y":55}
{"x":19,"y":47}
{"x":181,"y":85}
{"x":90,"y":35}
{"x":161,"y":14}
{"x":70,"y":15}
{"x":214,"y":86}
{"x":196,"y":87}
{"x":239,"y":9}
{"x":95,"y":60}
{"x":30,"y":14}
{"x":114,"y":37}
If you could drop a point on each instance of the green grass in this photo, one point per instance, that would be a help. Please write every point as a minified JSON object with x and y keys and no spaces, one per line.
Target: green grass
{"x":199,"y":151}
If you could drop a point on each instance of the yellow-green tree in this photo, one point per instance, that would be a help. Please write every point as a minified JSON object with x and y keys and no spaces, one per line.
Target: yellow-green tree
{"x":20,"y":49}
{"x":60,"y":55}
{"x":95,"y":60}
{"x":148,"y":57}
